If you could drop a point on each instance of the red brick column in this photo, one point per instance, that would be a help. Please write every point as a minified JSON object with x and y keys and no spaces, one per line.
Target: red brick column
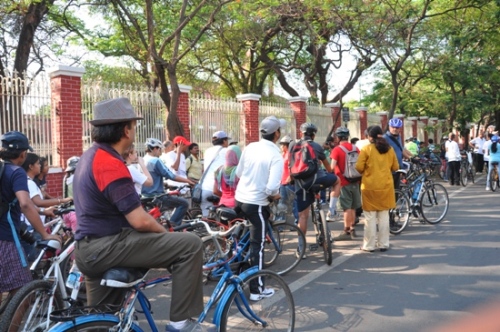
{"x":183,"y":111}
{"x":299,"y":108}
{"x":402,"y":118}
{"x":383,"y":120}
{"x":250,"y":103}
{"x":363,"y":120}
{"x":66,"y":113}
{"x":414,"y":125}
{"x":336,"y":114}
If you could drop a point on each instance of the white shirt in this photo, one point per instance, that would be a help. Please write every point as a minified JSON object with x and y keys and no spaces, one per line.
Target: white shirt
{"x":138,"y":177}
{"x":486,"y":150}
{"x":218,"y":156}
{"x":362,"y":143}
{"x":478,"y":144}
{"x":260,"y":170}
{"x":34,"y":190}
{"x":169,"y":160}
{"x":453,"y":151}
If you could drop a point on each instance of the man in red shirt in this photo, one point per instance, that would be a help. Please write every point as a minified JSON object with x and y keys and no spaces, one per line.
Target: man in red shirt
{"x":350,"y":196}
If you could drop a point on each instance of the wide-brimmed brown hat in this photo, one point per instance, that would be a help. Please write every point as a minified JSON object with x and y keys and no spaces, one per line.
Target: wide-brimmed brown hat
{"x":113,"y":111}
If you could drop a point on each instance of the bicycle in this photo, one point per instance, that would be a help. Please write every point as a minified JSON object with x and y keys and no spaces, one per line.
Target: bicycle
{"x":323,"y":235}
{"x":29,"y":308}
{"x":494,"y":179}
{"x":234,"y":308}
{"x":422,"y":197}
{"x":467,"y":169}
{"x":281,"y":250}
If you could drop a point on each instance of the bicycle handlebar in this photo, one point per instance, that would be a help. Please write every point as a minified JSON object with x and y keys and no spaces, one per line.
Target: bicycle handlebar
{"x":236,"y":226}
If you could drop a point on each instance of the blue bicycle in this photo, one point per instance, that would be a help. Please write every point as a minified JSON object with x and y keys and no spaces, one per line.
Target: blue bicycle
{"x":282,"y":252}
{"x":231,"y":299}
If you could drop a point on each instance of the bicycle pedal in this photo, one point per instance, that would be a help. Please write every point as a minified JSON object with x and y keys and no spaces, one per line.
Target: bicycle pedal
{"x":313,"y":247}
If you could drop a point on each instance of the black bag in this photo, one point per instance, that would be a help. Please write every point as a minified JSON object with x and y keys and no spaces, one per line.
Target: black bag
{"x":196,"y":194}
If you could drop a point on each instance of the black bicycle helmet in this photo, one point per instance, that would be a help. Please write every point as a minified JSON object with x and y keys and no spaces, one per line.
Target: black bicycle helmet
{"x":342,"y":132}
{"x":308,"y":128}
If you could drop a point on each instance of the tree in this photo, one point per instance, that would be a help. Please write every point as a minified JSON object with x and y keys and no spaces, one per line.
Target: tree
{"x":158,"y":35}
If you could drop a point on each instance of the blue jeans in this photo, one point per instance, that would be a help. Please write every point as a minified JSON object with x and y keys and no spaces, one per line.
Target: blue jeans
{"x":284,"y":196}
{"x":180,"y":204}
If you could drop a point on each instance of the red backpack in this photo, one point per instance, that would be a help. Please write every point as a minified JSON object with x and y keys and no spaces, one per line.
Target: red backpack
{"x":303,"y":164}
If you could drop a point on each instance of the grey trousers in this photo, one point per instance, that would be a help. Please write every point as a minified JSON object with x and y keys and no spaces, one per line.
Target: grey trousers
{"x":181,"y":253}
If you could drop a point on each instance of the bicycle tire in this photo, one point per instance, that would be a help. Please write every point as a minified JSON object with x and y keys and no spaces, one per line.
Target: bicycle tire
{"x":493,"y":180}
{"x":6,"y":297}
{"x":463,"y":175}
{"x":400,"y":215}
{"x":21,"y":304}
{"x":434,"y":203}
{"x":327,"y":238}
{"x":285,"y":258}
{"x":278,"y":311}
{"x":99,"y":324}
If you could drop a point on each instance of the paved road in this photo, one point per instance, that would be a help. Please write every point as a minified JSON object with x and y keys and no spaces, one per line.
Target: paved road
{"x":431,"y":274}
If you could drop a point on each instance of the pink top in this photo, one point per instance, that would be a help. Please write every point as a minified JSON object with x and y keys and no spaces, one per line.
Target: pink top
{"x":228,"y":193}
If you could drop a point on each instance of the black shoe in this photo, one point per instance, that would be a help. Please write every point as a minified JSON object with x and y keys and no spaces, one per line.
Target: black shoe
{"x":383,"y":249}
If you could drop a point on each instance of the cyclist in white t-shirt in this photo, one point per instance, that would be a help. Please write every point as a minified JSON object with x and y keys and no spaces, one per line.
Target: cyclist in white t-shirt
{"x":138,"y":170}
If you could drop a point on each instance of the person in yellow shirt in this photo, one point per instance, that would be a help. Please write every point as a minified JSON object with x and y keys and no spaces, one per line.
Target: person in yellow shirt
{"x":194,"y":167}
{"x":376,"y":162}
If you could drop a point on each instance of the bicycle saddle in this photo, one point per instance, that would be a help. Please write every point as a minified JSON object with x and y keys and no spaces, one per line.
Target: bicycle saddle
{"x":123,"y":277}
{"x":50,"y":245}
{"x":316,"y":188}
{"x":225,"y":214}
{"x":145,"y":200}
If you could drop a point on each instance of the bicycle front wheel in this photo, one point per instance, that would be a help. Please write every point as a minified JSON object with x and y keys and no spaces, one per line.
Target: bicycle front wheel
{"x":327,"y":238}
{"x":274,"y":313}
{"x":434,"y":204}
{"x":399,"y":216}
{"x":282,"y":252}
{"x":29,"y":308}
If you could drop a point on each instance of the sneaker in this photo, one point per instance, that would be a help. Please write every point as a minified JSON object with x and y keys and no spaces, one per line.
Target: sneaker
{"x":267,"y":292}
{"x":193,"y":326}
{"x":330,"y":216}
{"x":304,"y":256}
{"x":342,"y":237}
{"x":353,"y":234}
{"x":487,"y":188}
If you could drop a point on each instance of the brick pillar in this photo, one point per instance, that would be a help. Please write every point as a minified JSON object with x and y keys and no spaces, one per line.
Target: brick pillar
{"x":363,"y":120}
{"x":299,"y":107}
{"x":402,"y":118}
{"x":66,"y":114}
{"x":336,"y":114}
{"x":425,"y":121}
{"x":383,"y":120}
{"x":183,"y":110}
{"x":250,"y":103}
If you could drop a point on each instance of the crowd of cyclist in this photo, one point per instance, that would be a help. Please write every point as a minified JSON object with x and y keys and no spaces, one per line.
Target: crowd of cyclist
{"x":107,"y":181}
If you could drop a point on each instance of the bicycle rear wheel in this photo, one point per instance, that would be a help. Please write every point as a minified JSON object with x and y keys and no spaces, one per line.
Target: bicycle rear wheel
{"x":277,"y":311}
{"x":434,"y":204}
{"x":284,"y":256}
{"x":97,"y":324}
{"x":327,"y":238}
{"x":400,"y":215}
{"x":463,"y":175}
{"x":28,"y":310}
{"x":493,"y":180}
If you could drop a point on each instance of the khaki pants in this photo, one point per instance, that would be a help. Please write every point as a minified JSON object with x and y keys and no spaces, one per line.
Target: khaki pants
{"x":181,"y":253}
{"x":373,"y":239}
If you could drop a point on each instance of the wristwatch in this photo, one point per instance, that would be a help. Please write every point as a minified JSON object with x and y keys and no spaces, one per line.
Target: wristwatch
{"x":41,"y":211}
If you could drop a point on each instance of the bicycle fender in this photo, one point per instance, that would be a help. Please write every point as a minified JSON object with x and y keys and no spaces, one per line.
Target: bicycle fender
{"x":227,"y":293}
{"x":68,"y":326}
